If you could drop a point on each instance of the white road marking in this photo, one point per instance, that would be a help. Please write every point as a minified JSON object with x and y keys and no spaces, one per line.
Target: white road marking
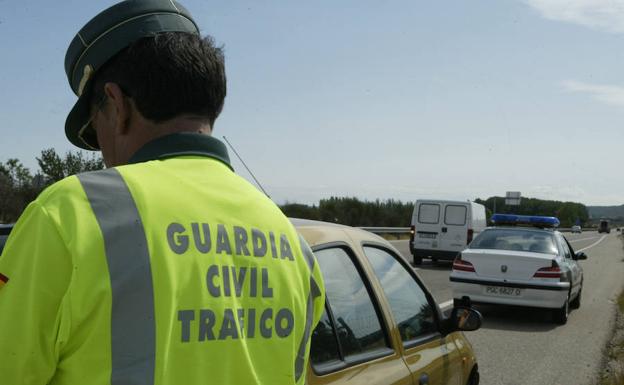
{"x":583,"y":239}
{"x":593,"y":244}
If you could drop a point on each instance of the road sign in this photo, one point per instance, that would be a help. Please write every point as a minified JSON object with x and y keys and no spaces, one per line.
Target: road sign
{"x":512,"y":198}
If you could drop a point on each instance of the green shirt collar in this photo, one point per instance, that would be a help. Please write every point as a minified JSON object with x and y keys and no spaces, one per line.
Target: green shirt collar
{"x":182,"y":143}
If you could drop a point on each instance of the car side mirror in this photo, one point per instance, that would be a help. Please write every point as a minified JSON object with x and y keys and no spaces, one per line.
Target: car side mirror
{"x":465,"y":319}
{"x":580,"y":256}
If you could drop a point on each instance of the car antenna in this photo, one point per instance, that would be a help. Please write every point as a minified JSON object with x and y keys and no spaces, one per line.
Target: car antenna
{"x":248,"y":170}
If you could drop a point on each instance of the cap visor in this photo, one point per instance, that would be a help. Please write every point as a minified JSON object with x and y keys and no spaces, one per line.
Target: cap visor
{"x":77,"y":118}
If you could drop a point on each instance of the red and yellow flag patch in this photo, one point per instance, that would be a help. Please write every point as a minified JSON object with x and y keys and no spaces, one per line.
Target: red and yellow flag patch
{"x":3,"y":280}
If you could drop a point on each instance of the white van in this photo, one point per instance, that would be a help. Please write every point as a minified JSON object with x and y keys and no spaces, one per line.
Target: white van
{"x":441,"y":229}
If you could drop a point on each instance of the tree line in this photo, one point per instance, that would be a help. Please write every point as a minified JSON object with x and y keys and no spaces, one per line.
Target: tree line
{"x":19,"y":186}
{"x":569,"y":213}
{"x":354,"y":212}
{"x":394,"y":213}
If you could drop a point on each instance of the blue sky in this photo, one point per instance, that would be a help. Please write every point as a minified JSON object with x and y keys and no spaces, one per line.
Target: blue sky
{"x":375,"y":99}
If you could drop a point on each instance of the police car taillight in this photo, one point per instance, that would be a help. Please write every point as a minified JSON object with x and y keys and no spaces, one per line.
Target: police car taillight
{"x":553,"y":271}
{"x":461,"y":265}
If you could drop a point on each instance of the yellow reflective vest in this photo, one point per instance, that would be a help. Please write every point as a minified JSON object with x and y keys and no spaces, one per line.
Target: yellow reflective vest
{"x":171,"y":270}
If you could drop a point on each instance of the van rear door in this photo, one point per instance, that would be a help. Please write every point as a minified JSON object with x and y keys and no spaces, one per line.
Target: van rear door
{"x":427,"y":222}
{"x":454,"y":230}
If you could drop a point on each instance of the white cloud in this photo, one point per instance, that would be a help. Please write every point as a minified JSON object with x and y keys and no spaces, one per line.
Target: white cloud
{"x":609,"y":94}
{"x":606,"y":15}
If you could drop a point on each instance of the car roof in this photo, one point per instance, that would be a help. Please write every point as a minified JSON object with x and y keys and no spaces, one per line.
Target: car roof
{"x":319,"y":232}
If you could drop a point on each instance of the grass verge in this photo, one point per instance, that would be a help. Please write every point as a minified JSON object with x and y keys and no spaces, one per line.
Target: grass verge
{"x":612,"y":372}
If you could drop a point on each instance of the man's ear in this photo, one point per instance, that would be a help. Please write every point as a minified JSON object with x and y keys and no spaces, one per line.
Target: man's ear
{"x":120,"y":107}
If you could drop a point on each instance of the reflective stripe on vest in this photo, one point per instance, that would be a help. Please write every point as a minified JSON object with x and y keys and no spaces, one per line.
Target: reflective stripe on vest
{"x":315,"y":291}
{"x":133,"y":329}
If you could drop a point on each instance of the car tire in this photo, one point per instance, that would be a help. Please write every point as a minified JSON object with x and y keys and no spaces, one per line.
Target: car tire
{"x":417,"y":260}
{"x":560,"y":315}
{"x":576,"y":303}
{"x":474,"y":377}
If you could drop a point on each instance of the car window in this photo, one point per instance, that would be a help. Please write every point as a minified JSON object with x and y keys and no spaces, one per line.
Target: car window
{"x":455,"y":215}
{"x":412,"y":312}
{"x":516,"y":240}
{"x":3,"y":239}
{"x":428,"y":213}
{"x":564,"y":246}
{"x":352,"y":314}
{"x":324,"y":346}
{"x":5,"y":230}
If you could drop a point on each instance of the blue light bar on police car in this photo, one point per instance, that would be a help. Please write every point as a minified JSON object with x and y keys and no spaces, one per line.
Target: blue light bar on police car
{"x":532,"y":220}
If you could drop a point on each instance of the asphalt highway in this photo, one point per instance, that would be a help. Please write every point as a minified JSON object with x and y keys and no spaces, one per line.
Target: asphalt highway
{"x":521,"y":346}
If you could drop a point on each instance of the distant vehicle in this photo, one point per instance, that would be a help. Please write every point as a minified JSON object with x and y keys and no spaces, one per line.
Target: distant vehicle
{"x":604,"y":226}
{"x":523,"y":266}
{"x":441,"y":229}
{"x":4,"y":234}
{"x":576,"y":229}
{"x":381,"y":324}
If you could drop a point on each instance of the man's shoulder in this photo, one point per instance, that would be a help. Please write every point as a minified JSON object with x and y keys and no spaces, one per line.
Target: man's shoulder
{"x":66,"y":189}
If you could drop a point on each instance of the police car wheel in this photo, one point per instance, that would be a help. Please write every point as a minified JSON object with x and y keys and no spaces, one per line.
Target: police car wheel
{"x":576,"y":303}
{"x":560,"y":315}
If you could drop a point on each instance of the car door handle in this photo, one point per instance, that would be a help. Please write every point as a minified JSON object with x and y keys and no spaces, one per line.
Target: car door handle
{"x":424,"y":379}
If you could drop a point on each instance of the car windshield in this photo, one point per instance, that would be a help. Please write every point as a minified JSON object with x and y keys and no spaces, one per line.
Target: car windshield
{"x":516,"y":240}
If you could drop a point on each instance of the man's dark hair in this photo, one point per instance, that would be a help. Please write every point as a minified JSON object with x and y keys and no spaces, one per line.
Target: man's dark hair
{"x":168,"y":75}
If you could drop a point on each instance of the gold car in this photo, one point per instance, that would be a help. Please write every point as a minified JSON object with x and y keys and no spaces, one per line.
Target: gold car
{"x":381,"y":325}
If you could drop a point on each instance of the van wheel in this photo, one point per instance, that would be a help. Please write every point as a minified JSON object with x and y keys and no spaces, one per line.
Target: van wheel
{"x":417,"y":260}
{"x":577,"y":301}
{"x":560,"y":315}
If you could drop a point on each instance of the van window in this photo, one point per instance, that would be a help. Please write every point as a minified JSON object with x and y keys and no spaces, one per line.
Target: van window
{"x":455,"y":215}
{"x":351,"y":315}
{"x":429,"y":213}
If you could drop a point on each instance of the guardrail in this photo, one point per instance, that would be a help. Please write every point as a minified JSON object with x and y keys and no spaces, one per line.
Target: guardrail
{"x":405,"y":230}
{"x":387,"y":230}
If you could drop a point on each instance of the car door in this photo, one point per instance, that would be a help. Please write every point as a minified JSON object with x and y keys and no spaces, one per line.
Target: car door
{"x":352,"y":342}
{"x":427,"y":225}
{"x":431,"y":357}
{"x":454,"y":227}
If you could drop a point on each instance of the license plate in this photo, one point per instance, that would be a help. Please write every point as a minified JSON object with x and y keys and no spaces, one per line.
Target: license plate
{"x":424,"y":235}
{"x":503,"y":291}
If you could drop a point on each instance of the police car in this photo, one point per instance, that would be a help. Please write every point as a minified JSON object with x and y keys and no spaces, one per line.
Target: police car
{"x":521,"y":261}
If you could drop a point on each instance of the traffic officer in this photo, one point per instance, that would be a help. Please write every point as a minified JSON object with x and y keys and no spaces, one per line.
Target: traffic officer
{"x":166,"y":267}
